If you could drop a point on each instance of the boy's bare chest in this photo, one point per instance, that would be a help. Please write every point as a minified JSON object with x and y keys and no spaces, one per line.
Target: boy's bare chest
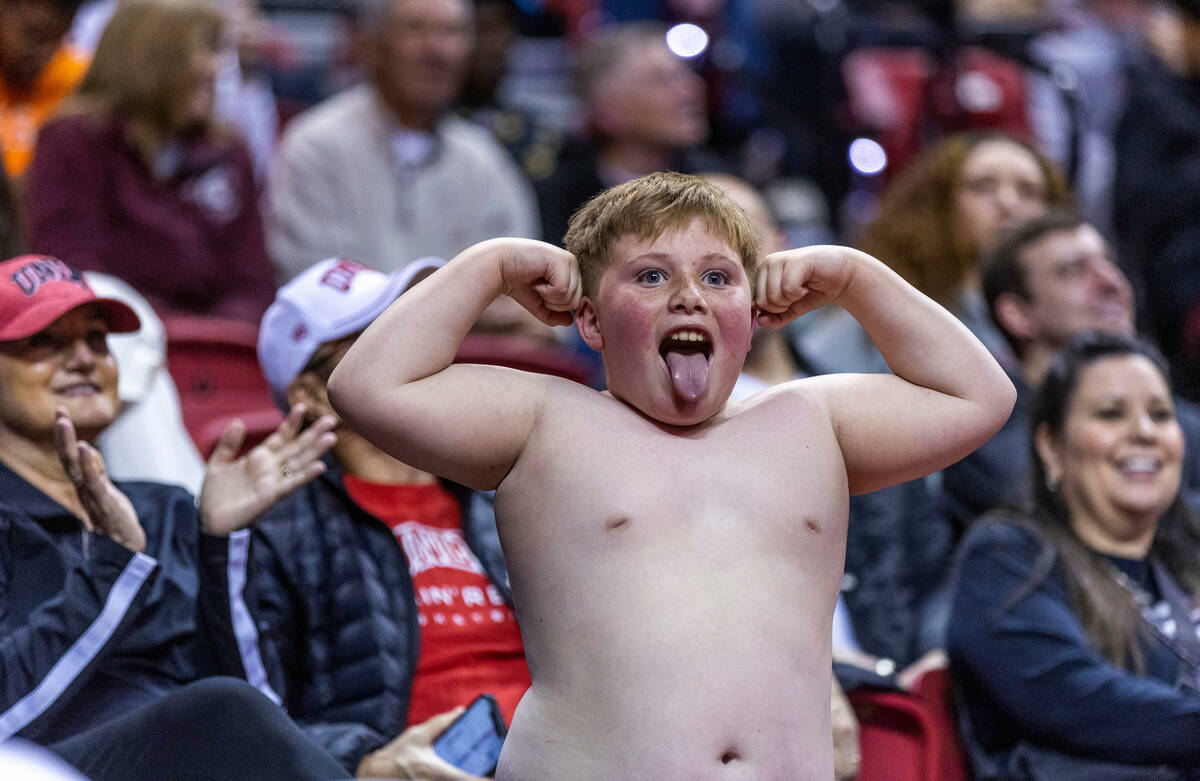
{"x":743,"y":474}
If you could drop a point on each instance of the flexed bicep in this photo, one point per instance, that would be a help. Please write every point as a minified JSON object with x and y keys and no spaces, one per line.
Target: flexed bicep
{"x":891,"y":431}
{"x":467,"y":423}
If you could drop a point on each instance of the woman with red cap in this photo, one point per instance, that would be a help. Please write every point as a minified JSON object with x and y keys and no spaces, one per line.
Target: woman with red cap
{"x":113,"y":598}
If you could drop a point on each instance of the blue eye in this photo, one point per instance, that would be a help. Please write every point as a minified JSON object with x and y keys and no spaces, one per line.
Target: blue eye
{"x":716,"y":278}
{"x":651,"y":276}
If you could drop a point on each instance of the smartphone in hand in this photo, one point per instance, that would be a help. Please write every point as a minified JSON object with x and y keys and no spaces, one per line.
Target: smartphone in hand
{"x":472,"y":742}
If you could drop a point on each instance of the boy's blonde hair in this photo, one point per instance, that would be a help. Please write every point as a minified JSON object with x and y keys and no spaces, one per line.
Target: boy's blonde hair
{"x":646,"y":208}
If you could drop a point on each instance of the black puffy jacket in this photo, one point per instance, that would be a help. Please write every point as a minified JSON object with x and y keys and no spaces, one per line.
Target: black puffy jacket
{"x":331,"y":623}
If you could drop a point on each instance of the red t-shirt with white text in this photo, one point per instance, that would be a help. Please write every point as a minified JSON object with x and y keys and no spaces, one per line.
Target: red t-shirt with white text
{"x":470,"y":643}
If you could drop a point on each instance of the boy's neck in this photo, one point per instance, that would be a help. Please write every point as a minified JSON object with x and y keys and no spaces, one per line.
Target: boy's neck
{"x":671,"y":428}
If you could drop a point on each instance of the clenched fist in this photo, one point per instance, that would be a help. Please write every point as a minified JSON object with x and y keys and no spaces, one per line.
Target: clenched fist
{"x":541,"y":277}
{"x":798,"y":281}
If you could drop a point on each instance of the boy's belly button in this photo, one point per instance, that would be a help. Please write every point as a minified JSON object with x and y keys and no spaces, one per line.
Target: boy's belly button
{"x":615,"y":522}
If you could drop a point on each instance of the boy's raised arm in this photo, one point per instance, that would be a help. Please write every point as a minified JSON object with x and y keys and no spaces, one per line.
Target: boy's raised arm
{"x":396,"y":385}
{"x":948,"y":394}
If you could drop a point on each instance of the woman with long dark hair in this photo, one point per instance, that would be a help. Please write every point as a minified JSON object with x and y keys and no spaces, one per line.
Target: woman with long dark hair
{"x":1073,"y":637}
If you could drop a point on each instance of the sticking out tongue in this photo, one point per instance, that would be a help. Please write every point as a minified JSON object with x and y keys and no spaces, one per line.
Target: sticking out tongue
{"x":689,"y":373}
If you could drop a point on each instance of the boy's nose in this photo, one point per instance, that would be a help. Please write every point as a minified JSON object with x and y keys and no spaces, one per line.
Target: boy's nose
{"x":687,"y":297}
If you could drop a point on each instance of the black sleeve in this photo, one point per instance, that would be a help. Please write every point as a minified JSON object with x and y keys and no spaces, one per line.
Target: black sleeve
{"x":256,"y":624}
{"x":50,"y":651}
{"x":232,"y":628}
{"x":1037,"y":669}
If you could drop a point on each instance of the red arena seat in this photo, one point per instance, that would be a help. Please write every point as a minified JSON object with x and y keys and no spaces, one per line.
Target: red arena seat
{"x":215,"y":367}
{"x":909,"y":736}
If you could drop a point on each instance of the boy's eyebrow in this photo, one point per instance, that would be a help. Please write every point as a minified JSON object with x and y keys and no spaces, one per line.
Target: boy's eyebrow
{"x":732,"y":258}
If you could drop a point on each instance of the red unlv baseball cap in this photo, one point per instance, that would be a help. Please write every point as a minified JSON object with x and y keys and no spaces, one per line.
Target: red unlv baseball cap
{"x":36,"y":290}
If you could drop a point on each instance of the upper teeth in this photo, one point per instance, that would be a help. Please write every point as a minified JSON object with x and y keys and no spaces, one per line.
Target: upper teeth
{"x":1139,"y":464}
{"x":689,"y":336}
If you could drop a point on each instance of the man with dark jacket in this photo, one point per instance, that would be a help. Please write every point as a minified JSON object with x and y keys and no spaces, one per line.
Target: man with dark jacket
{"x":378,"y":595}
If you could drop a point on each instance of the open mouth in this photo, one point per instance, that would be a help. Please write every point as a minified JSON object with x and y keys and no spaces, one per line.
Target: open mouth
{"x":688,"y":341}
{"x":687,"y":352}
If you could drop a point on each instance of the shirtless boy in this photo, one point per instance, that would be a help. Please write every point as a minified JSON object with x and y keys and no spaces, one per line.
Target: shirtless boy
{"x":675,"y":556}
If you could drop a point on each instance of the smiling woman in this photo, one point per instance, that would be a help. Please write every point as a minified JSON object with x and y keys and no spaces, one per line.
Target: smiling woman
{"x":1073,"y":638}
{"x":113,"y":597}
{"x":66,"y":363}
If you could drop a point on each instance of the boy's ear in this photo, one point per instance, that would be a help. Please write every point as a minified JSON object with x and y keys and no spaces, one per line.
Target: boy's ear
{"x":588,"y":325}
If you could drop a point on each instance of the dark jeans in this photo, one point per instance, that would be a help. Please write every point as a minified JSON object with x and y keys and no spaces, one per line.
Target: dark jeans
{"x":215,"y":729}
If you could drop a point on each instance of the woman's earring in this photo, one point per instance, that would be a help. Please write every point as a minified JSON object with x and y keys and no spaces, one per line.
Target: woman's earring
{"x":1051,"y":483}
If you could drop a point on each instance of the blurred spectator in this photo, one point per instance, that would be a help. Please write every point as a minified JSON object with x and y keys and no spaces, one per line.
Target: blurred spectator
{"x":381,"y":173}
{"x":934,"y":221}
{"x":244,"y":96}
{"x":378,"y":593}
{"x":135,"y":180}
{"x":1077,"y":94}
{"x":1048,"y":280}
{"x":37,"y":70}
{"x":1073,"y":639}
{"x":115,"y":599}
{"x":645,"y":112}
{"x":244,"y":99}
{"x":532,"y":143}
{"x":1158,"y":195}
{"x":1046,"y":71}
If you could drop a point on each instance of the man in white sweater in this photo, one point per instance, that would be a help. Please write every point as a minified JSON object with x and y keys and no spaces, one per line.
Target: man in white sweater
{"x":381,"y":173}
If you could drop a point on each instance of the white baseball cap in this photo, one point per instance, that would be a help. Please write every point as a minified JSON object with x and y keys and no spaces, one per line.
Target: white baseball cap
{"x":331,"y":299}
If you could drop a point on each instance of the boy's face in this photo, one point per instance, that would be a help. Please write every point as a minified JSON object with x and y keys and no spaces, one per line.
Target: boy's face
{"x":672,"y":319}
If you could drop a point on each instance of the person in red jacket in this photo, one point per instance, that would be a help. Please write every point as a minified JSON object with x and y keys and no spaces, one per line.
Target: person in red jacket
{"x":133,"y":178}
